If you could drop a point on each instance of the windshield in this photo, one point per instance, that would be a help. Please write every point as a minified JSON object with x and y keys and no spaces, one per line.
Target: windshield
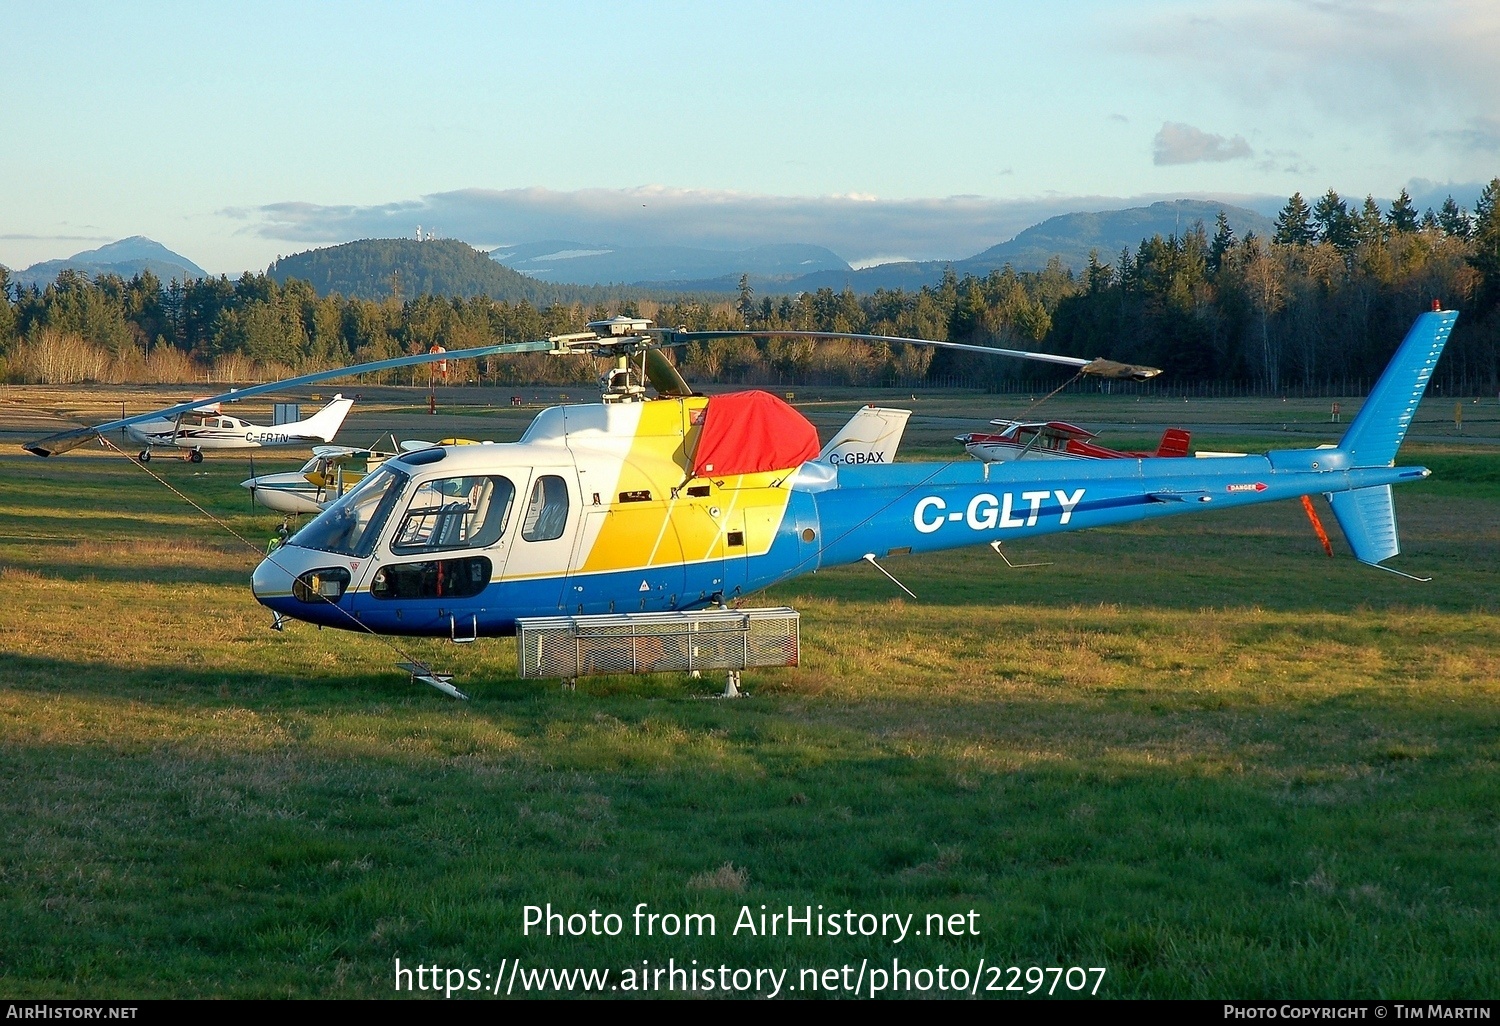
{"x":455,"y":512}
{"x":351,"y":525}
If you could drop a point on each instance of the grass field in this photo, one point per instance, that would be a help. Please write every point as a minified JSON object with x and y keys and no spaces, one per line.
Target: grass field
{"x":1196,"y":753}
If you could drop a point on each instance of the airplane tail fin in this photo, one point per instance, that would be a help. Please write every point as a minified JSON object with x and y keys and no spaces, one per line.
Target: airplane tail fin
{"x":1368,"y":515}
{"x":326,"y":422}
{"x":1376,"y":434}
{"x":871,"y":436}
{"x":1174,"y":442}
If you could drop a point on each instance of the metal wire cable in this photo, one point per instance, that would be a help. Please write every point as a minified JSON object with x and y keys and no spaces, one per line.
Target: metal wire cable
{"x":361,"y":625}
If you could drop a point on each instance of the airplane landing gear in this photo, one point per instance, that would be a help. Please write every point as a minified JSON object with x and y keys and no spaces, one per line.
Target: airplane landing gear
{"x":144,"y":456}
{"x":196,"y":456}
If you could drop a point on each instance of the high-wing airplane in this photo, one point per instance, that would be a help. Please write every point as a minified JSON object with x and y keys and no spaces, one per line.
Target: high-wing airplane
{"x":670,"y":506}
{"x":206,"y":427}
{"x":1056,"y":440}
{"x":333,"y":470}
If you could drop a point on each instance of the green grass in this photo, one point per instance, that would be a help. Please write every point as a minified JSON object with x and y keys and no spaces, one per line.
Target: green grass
{"x":1196,"y":752}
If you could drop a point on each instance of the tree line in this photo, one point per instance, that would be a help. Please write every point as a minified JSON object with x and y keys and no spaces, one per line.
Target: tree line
{"x":1324,"y":300}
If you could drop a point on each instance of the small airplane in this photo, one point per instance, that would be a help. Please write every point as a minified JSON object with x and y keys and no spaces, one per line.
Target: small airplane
{"x":323,"y":479}
{"x":327,"y":476}
{"x":1056,"y":440}
{"x":652,"y":513}
{"x":205,"y":426}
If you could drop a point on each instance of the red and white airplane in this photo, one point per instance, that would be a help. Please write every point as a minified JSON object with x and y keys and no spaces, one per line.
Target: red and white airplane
{"x":1056,"y":440}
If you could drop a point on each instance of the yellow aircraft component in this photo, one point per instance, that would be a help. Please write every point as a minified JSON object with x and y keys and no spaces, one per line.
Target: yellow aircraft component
{"x":659,"y":515}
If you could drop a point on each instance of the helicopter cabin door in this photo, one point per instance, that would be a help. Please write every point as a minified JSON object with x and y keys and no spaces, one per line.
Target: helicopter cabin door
{"x":449,"y":541}
{"x":548,"y":517}
{"x":628,"y":559}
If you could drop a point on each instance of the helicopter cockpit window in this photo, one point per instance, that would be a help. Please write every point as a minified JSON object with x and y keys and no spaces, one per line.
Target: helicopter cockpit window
{"x":455,"y":513}
{"x":351,"y":525}
{"x":547,"y":512}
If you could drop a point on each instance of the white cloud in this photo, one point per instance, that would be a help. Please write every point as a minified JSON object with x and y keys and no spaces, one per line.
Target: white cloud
{"x":57,"y":238}
{"x":864,"y":232}
{"x":860,"y":228}
{"x":876,"y":261}
{"x":1178,"y":143}
{"x":1481,"y":134}
{"x":1421,"y":73}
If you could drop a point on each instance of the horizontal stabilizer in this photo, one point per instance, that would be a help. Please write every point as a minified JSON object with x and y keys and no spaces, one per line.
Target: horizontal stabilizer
{"x":1368,"y":519}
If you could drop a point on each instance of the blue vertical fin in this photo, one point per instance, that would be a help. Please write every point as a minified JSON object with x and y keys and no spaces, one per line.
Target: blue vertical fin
{"x":1368,"y":515}
{"x":1376,"y":434}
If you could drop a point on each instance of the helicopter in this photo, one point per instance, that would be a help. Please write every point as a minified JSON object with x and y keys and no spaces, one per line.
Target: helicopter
{"x":643,"y":509}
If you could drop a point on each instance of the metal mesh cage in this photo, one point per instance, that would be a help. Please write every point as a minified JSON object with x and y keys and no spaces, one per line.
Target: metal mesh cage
{"x":724,"y":639}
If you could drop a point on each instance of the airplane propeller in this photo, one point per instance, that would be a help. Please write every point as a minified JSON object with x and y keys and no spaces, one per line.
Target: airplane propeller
{"x":618,"y":337}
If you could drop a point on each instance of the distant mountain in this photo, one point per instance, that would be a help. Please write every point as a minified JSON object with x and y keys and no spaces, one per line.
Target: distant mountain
{"x":1070,"y":237}
{"x":1073,"y":236}
{"x":595,"y":264}
{"x":373,"y":268}
{"x":126,"y":258}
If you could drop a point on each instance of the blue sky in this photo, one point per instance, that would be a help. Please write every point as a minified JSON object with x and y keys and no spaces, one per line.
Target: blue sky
{"x":234,"y":133}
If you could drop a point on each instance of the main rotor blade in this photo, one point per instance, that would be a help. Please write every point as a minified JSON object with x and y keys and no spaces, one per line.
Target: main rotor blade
{"x":65,"y":440}
{"x":1093,"y":368}
{"x":663,"y":376}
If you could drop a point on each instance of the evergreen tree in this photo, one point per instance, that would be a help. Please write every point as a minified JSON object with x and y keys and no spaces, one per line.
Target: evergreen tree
{"x":1454,"y":220}
{"x":1223,"y":242}
{"x":7,"y":311}
{"x":1097,"y":277}
{"x":1334,"y":223}
{"x":1128,"y":277}
{"x":746,"y":304}
{"x":1369,"y":226}
{"x":1486,"y":258}
{"x":1403,"y":214}
{"x":1294,"y":223}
